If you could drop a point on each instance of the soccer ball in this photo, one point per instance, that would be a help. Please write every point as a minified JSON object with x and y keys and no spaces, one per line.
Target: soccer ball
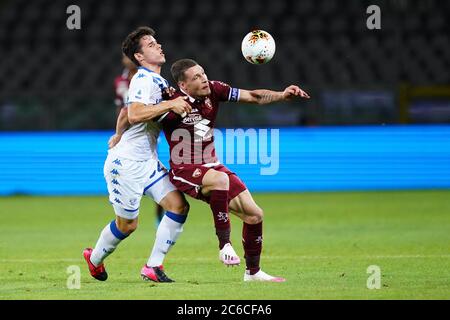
{"x":258,"y":47}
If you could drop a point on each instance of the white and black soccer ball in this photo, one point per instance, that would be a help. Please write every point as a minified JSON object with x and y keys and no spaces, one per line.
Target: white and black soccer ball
{"x":258,"y":47}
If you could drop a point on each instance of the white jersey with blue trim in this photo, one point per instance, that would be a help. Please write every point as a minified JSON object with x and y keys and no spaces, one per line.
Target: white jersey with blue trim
{"x":139,"y":141}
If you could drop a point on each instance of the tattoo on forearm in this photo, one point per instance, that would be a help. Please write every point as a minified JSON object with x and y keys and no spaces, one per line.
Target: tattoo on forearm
{"x":266,"y":97}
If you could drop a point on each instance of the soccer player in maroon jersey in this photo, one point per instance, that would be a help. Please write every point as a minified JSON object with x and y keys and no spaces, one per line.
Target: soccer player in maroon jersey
{"x":196,"y":171}
{"x":122,"y":82}
{"x":199,"y":173}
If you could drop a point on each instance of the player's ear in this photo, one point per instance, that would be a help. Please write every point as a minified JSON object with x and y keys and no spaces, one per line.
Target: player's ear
{"x":139,"y":56}
{"x":182,"y":85}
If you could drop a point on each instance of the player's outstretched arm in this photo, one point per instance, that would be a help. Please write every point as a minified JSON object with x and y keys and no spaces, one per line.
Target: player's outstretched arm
{"x":263,"y":96}
{"x":138,"y":112}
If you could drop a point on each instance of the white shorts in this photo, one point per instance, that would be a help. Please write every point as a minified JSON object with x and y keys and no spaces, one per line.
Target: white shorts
{"x":129,"y":180}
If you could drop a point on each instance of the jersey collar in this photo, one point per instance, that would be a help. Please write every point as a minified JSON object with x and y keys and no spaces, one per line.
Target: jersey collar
{"x":191,"y":99}
{"x":144,"y":68}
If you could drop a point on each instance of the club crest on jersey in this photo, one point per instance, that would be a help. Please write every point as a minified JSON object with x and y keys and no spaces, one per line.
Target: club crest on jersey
{"x":197,"y":173}
{"x":208,"y":103}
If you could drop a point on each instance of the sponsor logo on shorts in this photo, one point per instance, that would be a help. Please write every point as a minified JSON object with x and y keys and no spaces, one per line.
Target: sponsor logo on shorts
{"x":197,"y":173}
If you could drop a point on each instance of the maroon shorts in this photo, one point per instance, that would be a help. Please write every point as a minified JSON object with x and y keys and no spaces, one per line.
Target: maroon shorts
{"x":188,"y":179}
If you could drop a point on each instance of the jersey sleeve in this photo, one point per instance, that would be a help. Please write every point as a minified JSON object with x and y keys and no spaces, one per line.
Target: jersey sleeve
{"x":225,"y":92}
{"x":140,"y":90}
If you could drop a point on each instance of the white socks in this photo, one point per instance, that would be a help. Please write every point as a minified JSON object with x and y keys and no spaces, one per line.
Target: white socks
{"x":109,"y":239}
{"x":169,"y":230}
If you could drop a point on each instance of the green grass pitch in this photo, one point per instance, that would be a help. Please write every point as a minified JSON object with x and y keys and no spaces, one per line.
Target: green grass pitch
{"x":322,"y":243}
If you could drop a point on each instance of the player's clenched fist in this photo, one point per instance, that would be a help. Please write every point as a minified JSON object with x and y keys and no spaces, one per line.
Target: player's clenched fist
{"x":180,"y":106}
{"x":293,"y":91}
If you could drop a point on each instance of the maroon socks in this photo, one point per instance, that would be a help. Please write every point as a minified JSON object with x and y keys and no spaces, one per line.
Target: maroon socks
{"x":219,"y":206}
{"x":252,"y":241}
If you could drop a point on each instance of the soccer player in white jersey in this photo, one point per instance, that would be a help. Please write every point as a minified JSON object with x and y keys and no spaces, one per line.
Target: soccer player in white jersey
{"x":132,"y":168}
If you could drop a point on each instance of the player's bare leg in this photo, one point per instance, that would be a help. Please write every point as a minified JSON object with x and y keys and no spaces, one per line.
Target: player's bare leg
{"x":175,"y":202}
{"x":126,"y":226}
{"x":216,"y":184}
{"x":169,"y":229}
{"x":245,"y":207}
{"x":159,"y":214}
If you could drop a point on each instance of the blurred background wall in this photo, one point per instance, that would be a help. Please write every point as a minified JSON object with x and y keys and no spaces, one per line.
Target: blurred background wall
{"x":53,"y":78}
{"x":378,"y":117}
{"x":309,"y":159}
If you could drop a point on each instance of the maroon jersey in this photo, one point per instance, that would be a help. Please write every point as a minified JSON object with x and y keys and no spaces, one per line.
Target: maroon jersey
{"x":121,"y":84}
{"x":191,"y":139}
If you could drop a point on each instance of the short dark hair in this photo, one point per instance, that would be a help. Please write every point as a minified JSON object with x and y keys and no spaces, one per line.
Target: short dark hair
{"x":179,"y":67}
{"x":132,"y":45}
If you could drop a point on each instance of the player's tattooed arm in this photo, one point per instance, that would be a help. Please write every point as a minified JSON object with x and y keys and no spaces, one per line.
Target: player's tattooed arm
{"x":262,"y":96}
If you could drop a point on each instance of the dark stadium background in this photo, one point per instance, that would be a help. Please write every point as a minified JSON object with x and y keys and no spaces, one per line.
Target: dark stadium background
{"x":366,"y":85}
{"x":53,"y":78}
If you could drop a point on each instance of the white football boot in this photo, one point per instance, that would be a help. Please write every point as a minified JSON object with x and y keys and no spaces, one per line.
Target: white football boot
{"x":228,"y":256}
{"x":261,"y":276}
